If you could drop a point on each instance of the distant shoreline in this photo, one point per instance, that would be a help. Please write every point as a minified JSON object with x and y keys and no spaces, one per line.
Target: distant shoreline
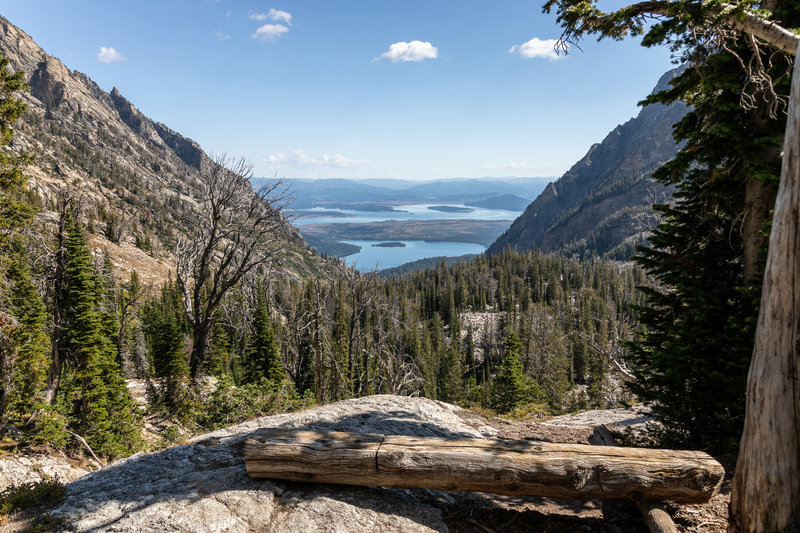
{"x":451,"y":209}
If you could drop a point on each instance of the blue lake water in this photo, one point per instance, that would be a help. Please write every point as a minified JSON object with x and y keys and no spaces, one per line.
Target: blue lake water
{"x":403,"y":212}
{"x":377,"y":258}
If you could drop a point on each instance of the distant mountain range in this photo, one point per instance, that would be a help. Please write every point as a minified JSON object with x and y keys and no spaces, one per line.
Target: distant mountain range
{"x":497,"y":193}
{"x":602,"y":204}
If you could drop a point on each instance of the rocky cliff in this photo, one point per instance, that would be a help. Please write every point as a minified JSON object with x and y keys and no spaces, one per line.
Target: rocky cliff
{"x":603,"y":201}
{"x":136,"y":179}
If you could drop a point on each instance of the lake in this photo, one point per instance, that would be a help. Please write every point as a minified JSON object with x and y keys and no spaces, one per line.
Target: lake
{"x":323,"y":215}
{"x":377,"y":258}
{"x":371,"y":256}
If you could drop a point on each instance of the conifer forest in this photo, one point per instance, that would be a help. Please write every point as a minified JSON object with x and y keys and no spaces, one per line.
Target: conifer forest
{"x":244,"y":319}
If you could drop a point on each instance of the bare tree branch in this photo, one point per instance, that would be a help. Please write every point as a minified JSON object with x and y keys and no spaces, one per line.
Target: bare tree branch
{"x":237,"y":232}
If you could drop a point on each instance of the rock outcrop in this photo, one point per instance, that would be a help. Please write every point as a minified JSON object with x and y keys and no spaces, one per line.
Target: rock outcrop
{"x":604,"y":200}
{"x":203,"y":486}
{"x":17,"y":470}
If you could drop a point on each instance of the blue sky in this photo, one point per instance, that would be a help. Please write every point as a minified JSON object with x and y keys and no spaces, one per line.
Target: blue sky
{"x":315,"y":88}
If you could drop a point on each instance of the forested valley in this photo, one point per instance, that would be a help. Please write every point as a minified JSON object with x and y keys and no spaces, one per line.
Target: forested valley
{"x":249,"y":321}
{"x":235,"y":329}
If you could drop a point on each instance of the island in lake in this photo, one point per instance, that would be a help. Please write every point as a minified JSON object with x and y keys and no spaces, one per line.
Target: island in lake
{"x":327,"y":214}
{"x":450,"y":209}
{"x":483,"y":232}
{"x":392,"y":244}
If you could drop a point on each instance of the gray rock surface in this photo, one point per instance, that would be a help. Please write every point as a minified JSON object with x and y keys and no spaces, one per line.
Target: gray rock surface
{"x":617,"y":419}
{"x":608,"y":424}
{"x":17,"y":470}
{"x":203,"y":486}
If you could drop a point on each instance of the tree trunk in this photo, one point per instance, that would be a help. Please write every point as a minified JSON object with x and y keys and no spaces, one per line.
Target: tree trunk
{"x":766,"y":487}
{"x":199,"y":347}
{"x":759,"y":200}
{"x":518,"y":468}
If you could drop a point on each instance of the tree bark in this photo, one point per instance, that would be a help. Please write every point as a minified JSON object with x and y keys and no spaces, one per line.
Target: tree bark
{"x":200,"y":339}
{"x":759,"y":200}
{"x":656,"y":518}
{"x":519,"y":468}
{"x":766,"y":487}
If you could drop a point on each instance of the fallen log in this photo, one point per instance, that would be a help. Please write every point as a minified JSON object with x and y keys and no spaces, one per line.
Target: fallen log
{"x":518,"y":468}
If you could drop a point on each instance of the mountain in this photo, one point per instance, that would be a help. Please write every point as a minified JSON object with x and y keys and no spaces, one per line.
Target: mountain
{"x":510,"y":202}
{"x":368,"y":194}
{"x":135,"y":179}
{"x":602,"y":204}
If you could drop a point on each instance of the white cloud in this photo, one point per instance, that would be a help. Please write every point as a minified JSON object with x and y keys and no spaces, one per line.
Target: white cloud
{"x":543,"y":48}
{"x":108,"y":55}
{"x":270,"y":32}
{"x":228,"y":14}
{"x":275,"y":15}
{"x":279,"y":16}
{"x":299,"y":158}
{"x":221,"y":36}
{"x":413,"y":51}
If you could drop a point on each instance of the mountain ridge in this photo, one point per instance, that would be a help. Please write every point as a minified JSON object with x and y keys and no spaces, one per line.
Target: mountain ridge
{"x":136,"y":180}
{"x":602,"y":203}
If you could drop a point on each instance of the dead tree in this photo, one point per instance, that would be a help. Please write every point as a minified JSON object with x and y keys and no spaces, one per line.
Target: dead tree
{"x":237,"y":231}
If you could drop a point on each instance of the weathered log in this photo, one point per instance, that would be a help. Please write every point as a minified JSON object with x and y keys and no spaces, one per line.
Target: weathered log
{"x":519,"y":468}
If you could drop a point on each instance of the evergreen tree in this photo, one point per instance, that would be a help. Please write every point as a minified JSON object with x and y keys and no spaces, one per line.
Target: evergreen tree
{"x":24,"y":356}
{"x":263,"y":359}
{"x":162,"y":325}
{"x":102,"y":407}
{"x":510,"y":388}
{"x":694,"y":358}
{"x":15,"y":212}
{"x":219,"y":351}
{"x":29,"y":337}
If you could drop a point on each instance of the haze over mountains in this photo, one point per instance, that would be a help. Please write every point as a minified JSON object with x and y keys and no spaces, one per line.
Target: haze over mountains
{"x":502,"y":193}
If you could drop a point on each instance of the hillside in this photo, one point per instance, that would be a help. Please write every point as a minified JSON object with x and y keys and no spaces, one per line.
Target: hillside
{"x":135,"y":179}
{"x":603,"y":202}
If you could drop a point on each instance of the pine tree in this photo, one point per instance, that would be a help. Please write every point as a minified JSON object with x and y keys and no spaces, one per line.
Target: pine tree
{"x":24,"y":357}
{"x":509,"y":389}
{"x":219,"y":351}
{"x":694,"y":358}
{"x":15,"y":212}
{"x":162,"y":325}
{"x":263,"y":359}
{"x":102,"y":407}
{"x":30,"y":347}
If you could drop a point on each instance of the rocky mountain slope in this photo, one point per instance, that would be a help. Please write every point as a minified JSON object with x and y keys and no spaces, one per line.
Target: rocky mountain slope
{"x":136,"y":179}
{"x":602,"y":204}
